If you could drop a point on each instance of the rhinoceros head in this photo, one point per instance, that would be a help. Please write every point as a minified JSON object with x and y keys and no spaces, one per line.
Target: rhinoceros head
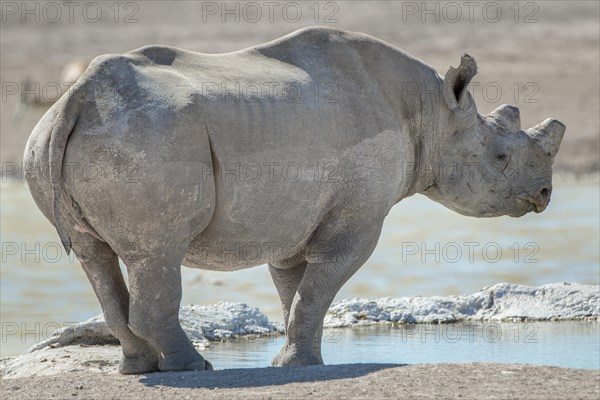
{"x":489,"y":166}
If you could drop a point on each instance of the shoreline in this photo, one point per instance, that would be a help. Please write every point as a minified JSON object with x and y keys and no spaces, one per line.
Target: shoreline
{"x":81,"y":360}
{"x":223,"y":321}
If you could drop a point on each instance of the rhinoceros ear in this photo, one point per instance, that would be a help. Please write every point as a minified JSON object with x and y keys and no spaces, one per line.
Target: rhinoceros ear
{"x":455,"y":84}
{"x":548,"y":134}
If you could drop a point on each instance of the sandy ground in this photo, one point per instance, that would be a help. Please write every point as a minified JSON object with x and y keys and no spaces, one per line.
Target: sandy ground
{"x":350,"y":381}
{"x":543,"y":58}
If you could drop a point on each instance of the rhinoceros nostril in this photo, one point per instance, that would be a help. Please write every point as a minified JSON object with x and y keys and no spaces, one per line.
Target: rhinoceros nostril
{"x":541,"y":201}
{"x":545,"y":193}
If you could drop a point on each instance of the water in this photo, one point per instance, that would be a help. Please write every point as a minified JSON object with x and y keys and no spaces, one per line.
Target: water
{"x":424,"y":250}
{"x":564,"y":344}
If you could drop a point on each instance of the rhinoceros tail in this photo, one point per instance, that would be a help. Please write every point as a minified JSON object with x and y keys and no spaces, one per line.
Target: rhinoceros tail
{"x":65,"y":121}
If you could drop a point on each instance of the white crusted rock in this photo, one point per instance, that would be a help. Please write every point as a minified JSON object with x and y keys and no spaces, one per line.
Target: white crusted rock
{"x":500,"y":302}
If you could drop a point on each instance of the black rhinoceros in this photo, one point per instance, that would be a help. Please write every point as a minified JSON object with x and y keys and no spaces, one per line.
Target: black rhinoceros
{"x":289,"y":153}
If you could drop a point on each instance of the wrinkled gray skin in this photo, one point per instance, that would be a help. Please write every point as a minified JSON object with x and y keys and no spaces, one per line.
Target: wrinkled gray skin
{"x":147,"y":155}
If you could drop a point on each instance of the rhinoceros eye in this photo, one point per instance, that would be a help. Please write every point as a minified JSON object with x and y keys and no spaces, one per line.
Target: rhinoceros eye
{"x":501,"y":157}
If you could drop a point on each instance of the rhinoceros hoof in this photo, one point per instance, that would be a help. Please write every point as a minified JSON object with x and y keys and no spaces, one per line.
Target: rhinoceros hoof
{"x":138,"y":365}
{"x":194,"y":362}
{"x":289,"y":359}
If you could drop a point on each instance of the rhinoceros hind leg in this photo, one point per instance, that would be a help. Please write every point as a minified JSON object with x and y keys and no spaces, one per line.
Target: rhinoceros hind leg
{"x":101,"y":266}
{"x":155,"y":289}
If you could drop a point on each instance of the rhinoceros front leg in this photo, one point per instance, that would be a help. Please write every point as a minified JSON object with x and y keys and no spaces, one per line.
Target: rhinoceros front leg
{"x":101,"y":266}
{"x":286,"y":282}
{"x":155,"y":296}
{"x":317,"y":288}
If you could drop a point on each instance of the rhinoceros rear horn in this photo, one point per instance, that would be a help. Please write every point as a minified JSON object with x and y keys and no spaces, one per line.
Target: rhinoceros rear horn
{"x":455,"y":84}
{"x":548,"y":134}
{"x":508,"y":117}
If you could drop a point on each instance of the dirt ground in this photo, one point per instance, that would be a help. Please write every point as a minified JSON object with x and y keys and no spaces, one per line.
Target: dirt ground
{"x":540,"y":56}
{"x":350,"y":381}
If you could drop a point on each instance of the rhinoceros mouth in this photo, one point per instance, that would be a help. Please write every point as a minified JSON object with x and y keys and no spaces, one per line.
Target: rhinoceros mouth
{"x":526,"y":205}
{"x":533,"y":205}
{"x":521,"y":212}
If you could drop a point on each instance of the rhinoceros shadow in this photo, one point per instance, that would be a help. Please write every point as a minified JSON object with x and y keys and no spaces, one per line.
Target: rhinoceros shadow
{"x":257,"y":377}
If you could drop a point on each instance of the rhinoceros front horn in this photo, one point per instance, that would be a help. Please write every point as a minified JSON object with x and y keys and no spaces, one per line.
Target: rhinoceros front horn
{"x":548,"y":134}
